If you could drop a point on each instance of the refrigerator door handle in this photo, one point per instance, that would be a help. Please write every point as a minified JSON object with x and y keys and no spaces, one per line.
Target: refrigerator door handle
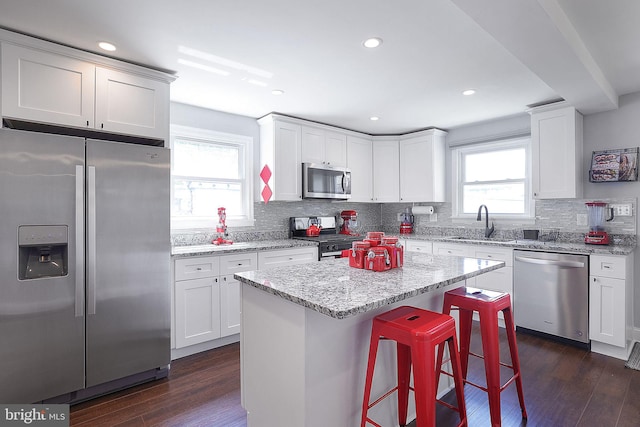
{"x":91,"y":240}
{"x":79,"y":292}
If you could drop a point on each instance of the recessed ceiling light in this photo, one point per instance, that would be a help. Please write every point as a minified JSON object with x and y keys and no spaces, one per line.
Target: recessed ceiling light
{"x":107,"y":46}
{"x":468,"y":92}
{"x":277,"y":92}
{"x":374,"y":118}
{"x":372,"y":42}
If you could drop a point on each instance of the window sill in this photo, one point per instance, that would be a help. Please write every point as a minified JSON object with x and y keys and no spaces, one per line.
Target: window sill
{"x":184,"y":224}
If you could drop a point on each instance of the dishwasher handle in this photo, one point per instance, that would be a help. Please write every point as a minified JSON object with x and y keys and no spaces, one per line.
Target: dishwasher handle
{"x":570,"y":264}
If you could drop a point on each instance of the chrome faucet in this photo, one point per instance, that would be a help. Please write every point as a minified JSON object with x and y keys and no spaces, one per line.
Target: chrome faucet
{"x":487,"y":231}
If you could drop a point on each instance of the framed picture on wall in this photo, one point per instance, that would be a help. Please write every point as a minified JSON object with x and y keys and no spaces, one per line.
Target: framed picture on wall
{"x":614,"y":165}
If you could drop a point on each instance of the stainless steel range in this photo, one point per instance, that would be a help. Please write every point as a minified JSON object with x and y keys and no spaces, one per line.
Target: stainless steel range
{"x":324,"y":231}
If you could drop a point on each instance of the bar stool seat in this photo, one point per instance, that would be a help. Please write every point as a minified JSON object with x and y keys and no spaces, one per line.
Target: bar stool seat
{"x":487,"y":304}
{"x":417,"y":333}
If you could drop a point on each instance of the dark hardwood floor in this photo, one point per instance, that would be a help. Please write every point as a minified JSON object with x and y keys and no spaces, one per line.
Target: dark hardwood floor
{"x":563,"y":386}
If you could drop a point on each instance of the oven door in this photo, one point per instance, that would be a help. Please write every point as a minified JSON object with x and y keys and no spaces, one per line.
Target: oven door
{"x":330,"y":255}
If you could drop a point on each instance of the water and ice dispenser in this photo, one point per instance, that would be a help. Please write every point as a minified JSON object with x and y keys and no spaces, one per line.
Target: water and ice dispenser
{"x":43,"y":251}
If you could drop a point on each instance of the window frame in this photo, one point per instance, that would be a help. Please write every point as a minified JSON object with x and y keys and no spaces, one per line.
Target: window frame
{"x":457,"y":155}
{"x":245,"y":143}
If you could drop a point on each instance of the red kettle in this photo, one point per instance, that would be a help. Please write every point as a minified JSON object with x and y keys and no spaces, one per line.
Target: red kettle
{"x":314,"y":228}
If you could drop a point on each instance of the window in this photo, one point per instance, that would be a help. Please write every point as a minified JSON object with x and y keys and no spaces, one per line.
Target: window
{"x":210,"y":170}
{"x":496,"y":174}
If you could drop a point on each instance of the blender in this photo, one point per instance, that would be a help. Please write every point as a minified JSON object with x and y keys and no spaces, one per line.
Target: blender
{"x":597,"y":218}
{"x":221,"y":229}
{"x":406,"y":221}
{"x":349,"y":222}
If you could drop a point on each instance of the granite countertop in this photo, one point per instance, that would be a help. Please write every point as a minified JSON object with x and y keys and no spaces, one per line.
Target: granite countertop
{"x":536,"y":245}
{"x":238,"y":247}
{"x":339,"y":291}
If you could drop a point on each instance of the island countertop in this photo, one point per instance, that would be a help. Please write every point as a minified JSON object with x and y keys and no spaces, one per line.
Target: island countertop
{"x":335,"y":289}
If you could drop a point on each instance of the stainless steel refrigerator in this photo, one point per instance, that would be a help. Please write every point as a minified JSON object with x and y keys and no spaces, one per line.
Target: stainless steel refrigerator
{"x":84,"y":264}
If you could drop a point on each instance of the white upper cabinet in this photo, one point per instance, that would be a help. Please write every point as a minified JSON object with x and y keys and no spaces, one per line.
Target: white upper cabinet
{"x":422,"y":167}
{"x":556,"y":139}
{"x":47,"y":88}
{"x":324,"y":147}
{"x":360,"y":162}
{"x":386,"y":164}
{"x":131,"y":104}
{"x":280,"y":151}
{"x":63,"y":89}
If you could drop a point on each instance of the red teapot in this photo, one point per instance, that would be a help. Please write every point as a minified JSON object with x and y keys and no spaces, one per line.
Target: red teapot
{"x":314,"y":229}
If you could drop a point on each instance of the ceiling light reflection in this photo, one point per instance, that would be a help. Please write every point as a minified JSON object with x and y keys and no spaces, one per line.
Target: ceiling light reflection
{"x":225,"y":62}
{"x":203,"y":67}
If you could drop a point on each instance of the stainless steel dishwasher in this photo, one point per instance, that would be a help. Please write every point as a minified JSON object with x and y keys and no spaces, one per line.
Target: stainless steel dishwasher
{"x":551,"y":293}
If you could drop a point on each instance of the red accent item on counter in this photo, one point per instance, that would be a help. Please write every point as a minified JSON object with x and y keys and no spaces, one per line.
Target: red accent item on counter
{"x":358,"y":254}
{"x":395,"y":249}
{"x":378,"y":259}
{"x":406,"y":228}
{"x":374,"y":237}
{"x":345,"y":254}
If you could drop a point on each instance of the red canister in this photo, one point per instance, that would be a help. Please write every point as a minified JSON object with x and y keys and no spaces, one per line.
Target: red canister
{"x":358,"y":254}
{"x":374,"y":237}
{"x":378,"y":259}
{"x":395,"y":249}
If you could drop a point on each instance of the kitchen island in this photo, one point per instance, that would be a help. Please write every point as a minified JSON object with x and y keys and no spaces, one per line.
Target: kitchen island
{"x":305,"y":335}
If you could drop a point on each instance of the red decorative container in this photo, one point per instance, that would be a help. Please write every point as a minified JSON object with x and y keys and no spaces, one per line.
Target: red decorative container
{"x":378,"y":259}
{"x":395,"y":249}
{"x":374,"y":237}
{"x":358,"y":253}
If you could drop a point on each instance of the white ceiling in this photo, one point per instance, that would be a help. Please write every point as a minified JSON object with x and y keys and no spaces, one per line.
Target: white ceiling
{"x":513,"y":53}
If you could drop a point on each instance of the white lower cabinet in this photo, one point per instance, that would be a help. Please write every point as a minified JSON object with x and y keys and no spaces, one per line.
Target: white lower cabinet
{"x":207,"y":298}
{"x":197,"y":300}
{"x":419,"y":246}
{"x":230,"y":289}
{"x":500,"y":280}
{"x":282,"y":257}
{"x":609,"y":301}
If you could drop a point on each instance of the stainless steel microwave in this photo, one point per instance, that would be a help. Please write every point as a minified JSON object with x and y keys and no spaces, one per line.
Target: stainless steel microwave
{"x":325,"y":182}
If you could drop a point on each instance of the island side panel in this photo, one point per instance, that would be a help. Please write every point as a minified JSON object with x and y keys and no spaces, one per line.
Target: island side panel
{"x":272,"y":360}
{"x":336,"y":361}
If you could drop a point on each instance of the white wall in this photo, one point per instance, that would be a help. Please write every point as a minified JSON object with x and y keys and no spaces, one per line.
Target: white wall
{"x":615,"y":129}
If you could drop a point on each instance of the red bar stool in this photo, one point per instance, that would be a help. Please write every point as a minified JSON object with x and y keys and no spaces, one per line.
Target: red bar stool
{"x":417,"y":333}
{"x":487,"y":304}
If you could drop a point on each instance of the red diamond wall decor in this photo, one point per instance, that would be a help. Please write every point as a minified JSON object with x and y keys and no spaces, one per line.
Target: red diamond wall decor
{"x":265,"y":175}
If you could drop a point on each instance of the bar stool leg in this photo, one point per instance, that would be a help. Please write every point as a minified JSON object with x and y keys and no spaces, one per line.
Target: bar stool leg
{"x":465,"y":322}
{"x":491,"y":352}
{"x":515,"y":360}
{"x":423,"y":356}
{"x":457,"y":377}
{"x":371,"y":363}
{"x":404,"y":373}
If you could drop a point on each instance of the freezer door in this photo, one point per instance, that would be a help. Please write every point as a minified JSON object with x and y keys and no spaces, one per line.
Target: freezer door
{"x":41,"y":319}
{"x":128,"y":260}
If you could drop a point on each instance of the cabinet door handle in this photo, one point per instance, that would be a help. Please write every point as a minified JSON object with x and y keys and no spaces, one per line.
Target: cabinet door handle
{"x":199,"y":268}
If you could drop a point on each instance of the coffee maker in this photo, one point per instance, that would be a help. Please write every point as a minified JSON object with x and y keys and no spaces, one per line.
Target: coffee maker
{"x":597,"y":217}
{"x":349,"y":222}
